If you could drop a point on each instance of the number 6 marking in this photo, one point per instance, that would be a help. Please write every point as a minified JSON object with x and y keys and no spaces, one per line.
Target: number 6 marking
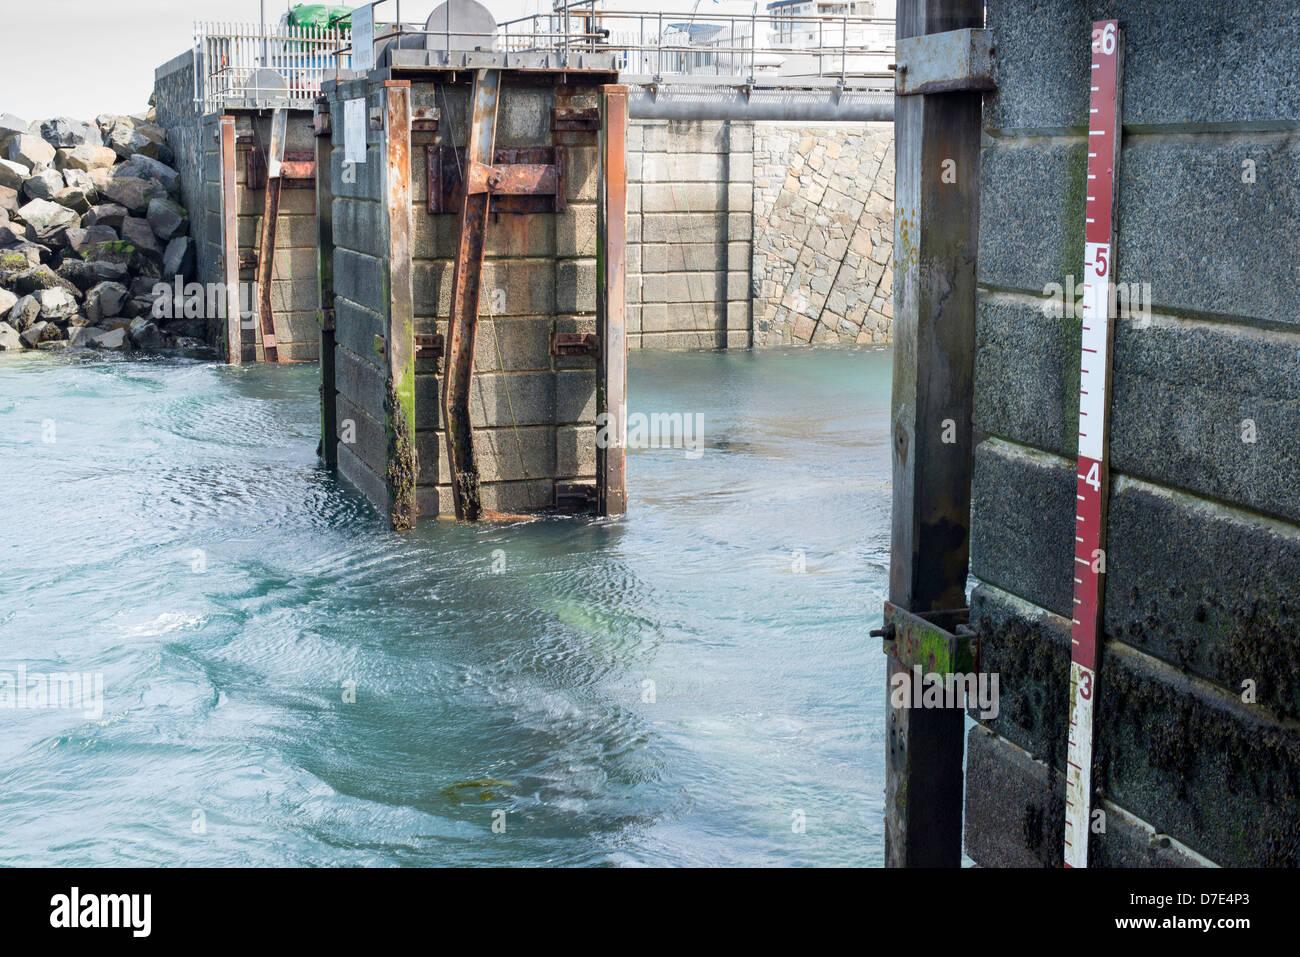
{"x":1104,"y":40}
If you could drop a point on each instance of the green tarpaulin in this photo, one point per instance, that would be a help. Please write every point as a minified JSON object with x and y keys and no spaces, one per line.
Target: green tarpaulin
{"x":321,"y":15}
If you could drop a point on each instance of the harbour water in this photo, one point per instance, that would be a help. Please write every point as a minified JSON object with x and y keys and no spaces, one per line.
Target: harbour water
{"x":284,"y":682}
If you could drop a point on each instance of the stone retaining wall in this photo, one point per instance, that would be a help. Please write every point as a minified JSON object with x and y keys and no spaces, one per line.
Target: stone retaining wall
{"x":823,"y":234}
{"x":767,"y":234}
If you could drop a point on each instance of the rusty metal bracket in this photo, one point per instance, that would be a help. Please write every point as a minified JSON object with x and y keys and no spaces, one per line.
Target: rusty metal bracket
{"x":945,"y":62}
{"x":528,"y":179}
{"x":425,"y":119}
{"x":574,"y":496}
{"x":517,"y":179}
{"x":327,"y":320}
{"x":248,"y":260}
{"x":575,"y":344}
{"x":321,"y":124}
{"x":940,"y":641}
{"x":429,"y":346}
{"x":575,"y":120}
{"x":297,"y":169}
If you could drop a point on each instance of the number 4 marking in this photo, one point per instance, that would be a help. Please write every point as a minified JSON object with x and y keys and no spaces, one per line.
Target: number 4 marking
{"x":1093,"y":477}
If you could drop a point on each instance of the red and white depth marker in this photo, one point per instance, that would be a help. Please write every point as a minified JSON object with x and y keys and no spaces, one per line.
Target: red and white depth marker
{"x":1094,"y":389}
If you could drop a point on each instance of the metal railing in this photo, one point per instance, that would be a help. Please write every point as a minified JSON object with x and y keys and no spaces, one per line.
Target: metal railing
{"x":228,"y":58}
{"x":665,"y":45}
{"x":649,"y":47}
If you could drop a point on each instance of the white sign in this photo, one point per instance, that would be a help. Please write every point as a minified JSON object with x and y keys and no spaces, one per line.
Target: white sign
{"x":363,"y":38}
{"x":354,"y":130}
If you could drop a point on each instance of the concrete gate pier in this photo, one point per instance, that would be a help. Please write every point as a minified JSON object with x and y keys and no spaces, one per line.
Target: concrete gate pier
{"x":471,"y":240}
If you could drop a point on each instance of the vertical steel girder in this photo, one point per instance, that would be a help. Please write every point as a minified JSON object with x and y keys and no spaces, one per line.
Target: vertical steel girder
{"x":462,"y":326}
{"x":611,"y":308}
{"x":935,"y":240}
{"x":329,"y":435}
{"x":230,"y":238}
{"x":399,"y":344}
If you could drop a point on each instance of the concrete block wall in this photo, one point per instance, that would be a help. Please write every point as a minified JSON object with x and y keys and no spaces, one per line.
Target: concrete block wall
{"x":533,"y":413}
{"x":823,"y":234}
{"x":690,"y":233}
{"x":204,"y":179}
{"x":189,"y":135}
{"x":194,"y":138}
{"x":294,"y":290}
{"x":361,"y":300}
{"x":1203,"y":554}
{"x":759,"y":234}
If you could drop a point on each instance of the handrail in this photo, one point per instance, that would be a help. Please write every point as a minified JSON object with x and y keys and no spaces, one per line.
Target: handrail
{"x":646,"y":46}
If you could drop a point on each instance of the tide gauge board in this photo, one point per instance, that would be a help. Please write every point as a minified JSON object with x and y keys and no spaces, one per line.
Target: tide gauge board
{"x":1094,"y":388}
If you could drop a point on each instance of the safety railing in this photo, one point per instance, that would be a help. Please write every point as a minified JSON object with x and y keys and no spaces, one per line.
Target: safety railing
{"x":667,"y":45}
{"x":232,"y":60}
{"x":229,"y":60}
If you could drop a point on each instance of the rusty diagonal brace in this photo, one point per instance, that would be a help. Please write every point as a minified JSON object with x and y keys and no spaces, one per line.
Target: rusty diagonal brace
{"x":462,"y":323}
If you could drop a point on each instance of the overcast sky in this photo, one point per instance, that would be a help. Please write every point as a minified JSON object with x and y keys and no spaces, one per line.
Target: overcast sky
{"x":80,"y":58}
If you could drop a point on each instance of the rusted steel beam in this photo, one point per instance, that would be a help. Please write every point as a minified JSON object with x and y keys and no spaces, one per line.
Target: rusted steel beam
{"x":611,"y":310}
{"x":266,"y":252}
{"x":575,"y":344}
{"x":947,"y":62}
{"x":935,"y":240}
{"x":519,"y":179}
{"x":329,"y":430}
{"x":575,"y":119}
{"x":298,"y":166}
{"x":531,"y":179}
{"x":399,"y":404}
{"x":297,"y":169}
{"x":429,"y":346}
{"x":462,"y":325}
{"x":230,"y":238}
{"x":425,"y":119}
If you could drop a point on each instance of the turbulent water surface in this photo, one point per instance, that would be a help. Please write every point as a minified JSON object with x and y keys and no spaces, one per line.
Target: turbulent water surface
{"x":690,"y":684}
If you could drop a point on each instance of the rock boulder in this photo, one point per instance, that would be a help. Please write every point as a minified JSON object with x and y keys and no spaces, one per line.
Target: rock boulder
{"x":80,"y":239}
{"x":178,"y":258}
{"x":56,"y":304}
{"x":43,"y":184}
{"x":131,"y":192}
{"x":24,"y":312}
{"x":31,"y":151}
{"x":10,"y":126}
{"x":166,"y":217}
{"x":105,"y":301}
{"x":105,"y":214}
{"x":85,"y":158}
{"x":142,"y":167}
{"x":12,"y":174}
{"x":46,"y":220}
{"x":64,"y":132}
